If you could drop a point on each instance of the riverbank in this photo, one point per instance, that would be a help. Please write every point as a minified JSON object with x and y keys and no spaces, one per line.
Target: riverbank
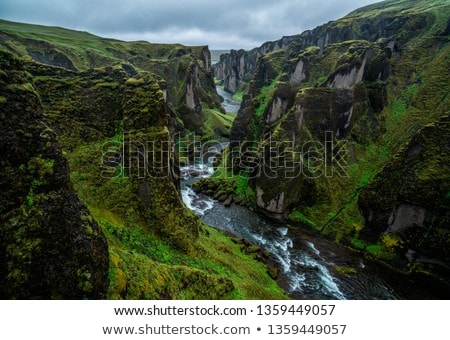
{"x":310,"y":266}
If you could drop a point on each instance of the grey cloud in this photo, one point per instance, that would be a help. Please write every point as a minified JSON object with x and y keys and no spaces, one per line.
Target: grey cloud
{"x":220,"y":24}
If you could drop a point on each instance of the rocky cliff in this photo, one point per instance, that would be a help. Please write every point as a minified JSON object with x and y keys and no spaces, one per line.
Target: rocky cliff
{"x":90,"y":206}
{"x":189,"y":90}
{"x":235,"y":69}
{"x":337,"y":131}
{"x":51,"y":246}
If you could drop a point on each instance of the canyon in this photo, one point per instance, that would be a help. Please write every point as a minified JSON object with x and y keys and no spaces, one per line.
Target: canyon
{"x":341,"y":140}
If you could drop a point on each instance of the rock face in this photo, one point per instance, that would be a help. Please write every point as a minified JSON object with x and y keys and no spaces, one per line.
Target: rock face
{"x":408,"y":200}
{"x":337,"y":131}
{"x":236,"y":67}
{"x":90,"y":205}
{"x":50,"y":246}
{"x":289,"y":116}
{"x":186,"y":71}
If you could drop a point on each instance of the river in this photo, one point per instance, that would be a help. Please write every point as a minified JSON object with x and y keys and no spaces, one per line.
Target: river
{"x":311,"y":267}
{"x":230,"y":104}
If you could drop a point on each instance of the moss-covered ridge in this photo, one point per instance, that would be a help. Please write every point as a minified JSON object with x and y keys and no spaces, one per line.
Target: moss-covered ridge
{"x":190,"y":89}
{"x":382,"y":94}
{"x":379,"y":21}
{"x":109,"y":123}
{"x":50,"y":245}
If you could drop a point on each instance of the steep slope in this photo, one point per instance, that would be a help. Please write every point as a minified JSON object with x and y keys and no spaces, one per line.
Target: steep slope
{"x":115,"y":125}
{"x":339,"y":132}
{"x":50,"y":245}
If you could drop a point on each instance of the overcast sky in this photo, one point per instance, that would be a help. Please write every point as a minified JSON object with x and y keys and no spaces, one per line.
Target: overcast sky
{"x":221,"y":24}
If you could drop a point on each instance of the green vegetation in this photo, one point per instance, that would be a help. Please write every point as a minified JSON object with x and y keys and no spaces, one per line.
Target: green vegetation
{"x":173,"y":66}
{"x":143,"y":266}
{"x":134,"y":82}
{"x":235,"y":183}
{"x":243,"y":189}
{"x":82,"y":50}
{"x":297,"y":216}
{"x":264,"y":97}
{"x":396,"y":113}
{"x":238,"y":95}
{"x":217,"y":123}
{"x":346,"y":270}
{"x":144,"y":262}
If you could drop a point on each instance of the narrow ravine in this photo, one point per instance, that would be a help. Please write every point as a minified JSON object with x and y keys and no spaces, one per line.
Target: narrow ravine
{"x":307,"y":264}
{"x":310,"y":267}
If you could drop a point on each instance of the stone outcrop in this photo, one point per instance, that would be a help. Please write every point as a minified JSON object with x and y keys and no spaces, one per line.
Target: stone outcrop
{"x":408,"y":199}
{"x":290,"y":116}
{"x":51,"y":247}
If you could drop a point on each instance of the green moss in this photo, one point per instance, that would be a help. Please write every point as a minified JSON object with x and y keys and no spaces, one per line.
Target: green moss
{"x":217,"y":124}
{"x":238,"y":95}
{"x":297,"y":216}
{"x":391,"y":240}
{"x":243,"y":189}
{"x":346,"y":270}
{"x":144,"y":266}
{"x":264,"y":97}
{"x":249,"y":276}
{"x":358,"y":244}
{"x":110,"y":85}
{"x":135,"y":82}
{"x":237,"y":183}
{"x":379,"y":251}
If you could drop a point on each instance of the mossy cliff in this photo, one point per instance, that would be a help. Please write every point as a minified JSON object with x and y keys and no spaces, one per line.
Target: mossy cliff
{"x":50,"y":245}
{"x":186,"y":70}
{"x":345,"y":131}
{"x":407,"y":203}
{"x":90,"y":206}
{"x":378,"y":21}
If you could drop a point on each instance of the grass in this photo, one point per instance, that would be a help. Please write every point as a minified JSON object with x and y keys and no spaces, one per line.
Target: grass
{"x":144,"y":264}
{"x":249,"y":277}
{"x":240,"y":182}
{"x":76,"y":44}
{"x":217,"y":124}
{"x":238,"y":95}
{"x":243,"y":189}
{"x":264,"y":97}
{"x":297,"y":216}
{"x":218,"y":260}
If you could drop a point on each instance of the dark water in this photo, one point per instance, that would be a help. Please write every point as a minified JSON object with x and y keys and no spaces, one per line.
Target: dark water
{"x":311,"y":267}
